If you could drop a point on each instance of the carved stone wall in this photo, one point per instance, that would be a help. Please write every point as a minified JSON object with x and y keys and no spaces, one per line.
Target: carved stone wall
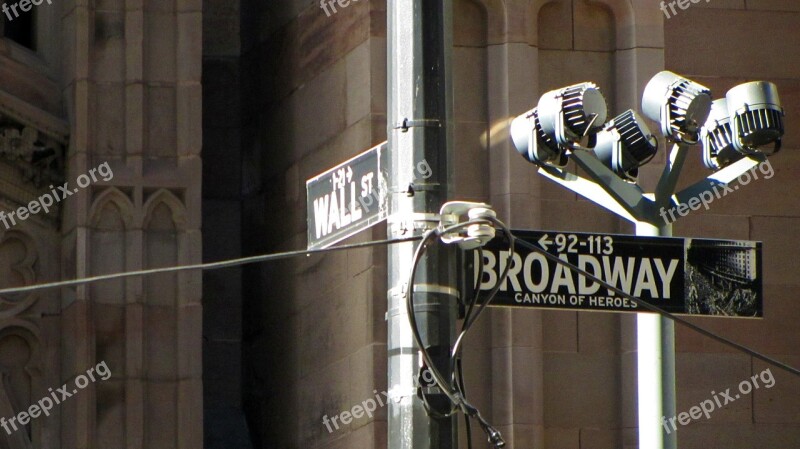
{"x":114,"y":82}
{"x":133,"y":93}
{"x":33,"y":143}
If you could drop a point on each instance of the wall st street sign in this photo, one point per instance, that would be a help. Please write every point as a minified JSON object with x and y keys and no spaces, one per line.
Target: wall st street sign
{"x":346,"y":199}
{"x":682,"y":276}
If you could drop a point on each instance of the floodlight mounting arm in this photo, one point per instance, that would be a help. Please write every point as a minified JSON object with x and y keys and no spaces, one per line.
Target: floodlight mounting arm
{"x":627,"y":195}
{"x":627,"y":200}
{"x":727,"y":176}
{"x":669,"y":177}
{"x":586,"y":188}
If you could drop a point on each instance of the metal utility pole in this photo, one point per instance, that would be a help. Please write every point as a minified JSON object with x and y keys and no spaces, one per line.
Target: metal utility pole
{"x":655,"y":341}
{"x":419,"y":129}
{"x":655,"y":335}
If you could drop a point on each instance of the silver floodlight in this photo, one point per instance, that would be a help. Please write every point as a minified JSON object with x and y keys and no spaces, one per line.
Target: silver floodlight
{"x":679,"y":105}
{"x":625,"y":144}
{"x":561,"y":119}
{"x":533,"y":144}
{"x":756,"y":117}
{"x":569,"y":114}
{"x":717,"y":137}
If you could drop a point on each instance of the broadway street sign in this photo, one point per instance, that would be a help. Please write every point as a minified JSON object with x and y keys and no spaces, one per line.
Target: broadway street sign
{"x":683,"y":276}
{"x":346,"y":199}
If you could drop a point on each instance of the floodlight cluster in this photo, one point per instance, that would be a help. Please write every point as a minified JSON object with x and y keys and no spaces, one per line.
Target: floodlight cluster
{"x":748,"y":120}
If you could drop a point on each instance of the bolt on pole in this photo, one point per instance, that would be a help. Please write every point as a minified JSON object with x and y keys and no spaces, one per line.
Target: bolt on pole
{"x":419,"y":129}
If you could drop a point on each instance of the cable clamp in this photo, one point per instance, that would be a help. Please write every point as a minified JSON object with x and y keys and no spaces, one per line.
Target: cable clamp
{"x":406,"y":124}
{"x":436,"y":289}
{"x":474,"y":236}
{"x":410,"y":223}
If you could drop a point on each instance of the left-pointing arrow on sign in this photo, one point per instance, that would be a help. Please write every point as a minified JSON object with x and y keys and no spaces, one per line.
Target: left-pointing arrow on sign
{"x":545,"y":243}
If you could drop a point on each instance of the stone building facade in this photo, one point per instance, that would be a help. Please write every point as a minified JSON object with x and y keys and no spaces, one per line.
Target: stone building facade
{"x":85,"y":84}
